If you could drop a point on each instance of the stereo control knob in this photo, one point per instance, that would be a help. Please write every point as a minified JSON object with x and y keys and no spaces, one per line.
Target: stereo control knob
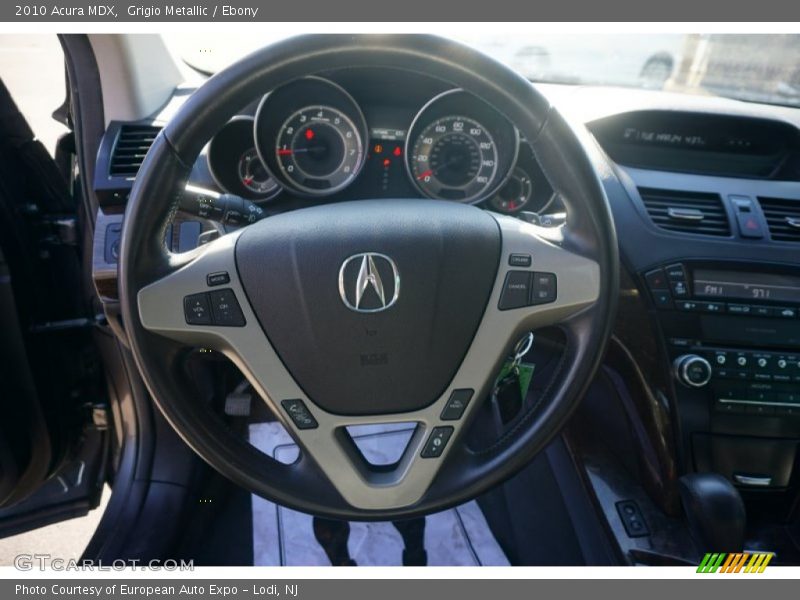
{"x":692,"y":370}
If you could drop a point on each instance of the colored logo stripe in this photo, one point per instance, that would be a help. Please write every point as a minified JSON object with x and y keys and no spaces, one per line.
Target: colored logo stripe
{"x":735,"y":562}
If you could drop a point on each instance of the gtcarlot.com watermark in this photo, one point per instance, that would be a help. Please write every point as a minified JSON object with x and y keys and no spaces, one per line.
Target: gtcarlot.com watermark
{"x":42,"y":562}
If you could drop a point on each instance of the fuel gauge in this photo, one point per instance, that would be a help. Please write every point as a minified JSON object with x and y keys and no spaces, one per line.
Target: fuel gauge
{"x":254,"y":175}
{"x":515,"y":194}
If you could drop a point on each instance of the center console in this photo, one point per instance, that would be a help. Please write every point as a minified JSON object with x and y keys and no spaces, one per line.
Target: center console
{"x":732,"y":334}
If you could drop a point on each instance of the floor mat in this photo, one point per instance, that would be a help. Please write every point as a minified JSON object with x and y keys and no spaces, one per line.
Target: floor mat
{"x":281,"y":536}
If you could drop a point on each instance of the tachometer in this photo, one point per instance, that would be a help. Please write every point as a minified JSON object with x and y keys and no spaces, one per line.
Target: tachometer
{"x":454,"y":158}
{"x":319,"y":149}
{"x":311,"y":136}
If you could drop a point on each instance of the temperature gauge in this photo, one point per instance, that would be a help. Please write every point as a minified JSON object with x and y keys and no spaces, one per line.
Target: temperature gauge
{"x":515,"y":194}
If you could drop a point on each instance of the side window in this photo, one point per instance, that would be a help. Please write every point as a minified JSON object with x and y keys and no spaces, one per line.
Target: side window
{"x":32,"y":68}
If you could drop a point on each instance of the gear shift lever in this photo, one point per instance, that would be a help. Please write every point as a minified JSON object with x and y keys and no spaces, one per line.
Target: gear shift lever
{"x":714,"y":510}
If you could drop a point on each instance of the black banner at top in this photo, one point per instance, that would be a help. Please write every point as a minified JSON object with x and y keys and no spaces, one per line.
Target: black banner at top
{"x":160,"y":11}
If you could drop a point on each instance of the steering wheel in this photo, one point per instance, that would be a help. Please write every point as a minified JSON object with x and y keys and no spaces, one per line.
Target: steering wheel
{"x":430,"y":349}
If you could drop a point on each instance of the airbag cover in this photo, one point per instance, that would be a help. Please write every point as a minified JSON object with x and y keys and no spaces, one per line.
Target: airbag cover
{"x":393,"y":360}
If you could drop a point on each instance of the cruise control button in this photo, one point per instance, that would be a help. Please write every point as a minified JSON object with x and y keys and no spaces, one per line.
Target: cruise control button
{"x":544,"y":288}
{"x":519,"y":260}
{"x":456,"y":405}
{"x":436,"y":442}
{"x":225,"y":309}
{"x":196,"y":309}
{"x":299,"y":414}
{"x":516,"y":290}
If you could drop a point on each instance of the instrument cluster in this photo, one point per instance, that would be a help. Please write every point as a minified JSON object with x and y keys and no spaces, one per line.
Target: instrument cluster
{"x":310,"y":139}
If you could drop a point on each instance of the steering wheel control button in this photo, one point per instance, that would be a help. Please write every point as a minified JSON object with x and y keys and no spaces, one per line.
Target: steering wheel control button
{"x":519,"y":260}
{"x":220,"y":278}
{"x":436,"y":442}
{"x":456,"y":405}
{"x":516,"y":290}
{"x":544,"y":288}
{"x":197,"y":310}
{"x":225,"y":309}
{"x":299,"y":414}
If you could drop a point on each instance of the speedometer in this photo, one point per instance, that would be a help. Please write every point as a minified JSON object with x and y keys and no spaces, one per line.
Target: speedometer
{"x":454,"y":158}
{"x":319,"y":149}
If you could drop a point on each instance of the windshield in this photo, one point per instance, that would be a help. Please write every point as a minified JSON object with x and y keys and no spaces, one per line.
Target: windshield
{"x":757,"y":68}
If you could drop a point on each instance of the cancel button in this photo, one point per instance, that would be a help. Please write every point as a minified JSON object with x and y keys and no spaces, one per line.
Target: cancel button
{"x":516,"y":290}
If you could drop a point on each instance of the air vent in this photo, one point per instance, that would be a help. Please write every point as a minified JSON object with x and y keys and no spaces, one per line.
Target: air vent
{"x":133,"y":142}
{"x":686,"y":212}
{"x":783,"y":218}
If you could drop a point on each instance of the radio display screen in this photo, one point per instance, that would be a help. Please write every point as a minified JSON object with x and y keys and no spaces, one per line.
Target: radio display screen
{"x":710,"y":283}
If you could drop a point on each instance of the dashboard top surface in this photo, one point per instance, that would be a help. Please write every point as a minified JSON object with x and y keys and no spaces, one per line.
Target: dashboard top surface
{"x":390,"y":100}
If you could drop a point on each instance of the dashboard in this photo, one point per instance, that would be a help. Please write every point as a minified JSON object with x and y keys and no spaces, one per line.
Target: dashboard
{"x":705,"y":195}
{"x":377,"y":135}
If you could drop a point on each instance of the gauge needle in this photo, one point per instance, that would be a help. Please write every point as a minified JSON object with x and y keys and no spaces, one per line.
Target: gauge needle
{"x":448,"y":164}
{"x":289,"y":151}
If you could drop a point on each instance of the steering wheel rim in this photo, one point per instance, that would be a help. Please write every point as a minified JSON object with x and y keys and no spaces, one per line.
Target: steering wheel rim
{"x":146,"y":264}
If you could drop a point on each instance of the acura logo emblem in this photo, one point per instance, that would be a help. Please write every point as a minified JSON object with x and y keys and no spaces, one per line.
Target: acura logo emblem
{"x":369,"y":282}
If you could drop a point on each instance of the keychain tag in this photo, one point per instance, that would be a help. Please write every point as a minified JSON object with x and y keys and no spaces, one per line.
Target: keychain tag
{"x":525,"y":377}
{"x":513,"y":382}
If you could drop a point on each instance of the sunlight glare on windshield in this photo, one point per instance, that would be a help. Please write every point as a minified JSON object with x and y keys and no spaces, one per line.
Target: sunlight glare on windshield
{"x":756,"y":68}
